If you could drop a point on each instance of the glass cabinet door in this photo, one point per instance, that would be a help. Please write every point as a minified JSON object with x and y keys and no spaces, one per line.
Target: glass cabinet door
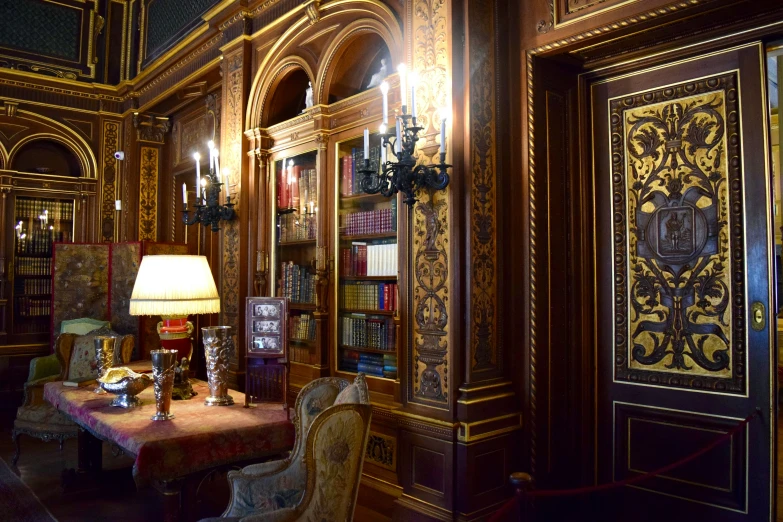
{"x":38,"y":223}
{"x":295,"y":239}
{"x":366,"y":258}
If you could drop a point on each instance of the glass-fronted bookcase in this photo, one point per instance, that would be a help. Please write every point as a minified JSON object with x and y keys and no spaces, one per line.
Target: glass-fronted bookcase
{"x":366,"y":292}
{"x":295,"y":238}
{"x":38,"y":223}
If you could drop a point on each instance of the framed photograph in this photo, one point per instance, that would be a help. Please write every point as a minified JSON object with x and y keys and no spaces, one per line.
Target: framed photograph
{"x":265,"y":322}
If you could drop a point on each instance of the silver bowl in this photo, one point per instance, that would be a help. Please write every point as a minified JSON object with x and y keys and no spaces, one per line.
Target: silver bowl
{"x":125,"y":384}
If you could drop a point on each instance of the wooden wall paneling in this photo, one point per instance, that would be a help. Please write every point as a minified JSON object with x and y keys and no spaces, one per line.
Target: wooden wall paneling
{"x":235,"y":282}
{"x":130,"y":182}
{"x":151,"y":134}
{"x":111,"y":139}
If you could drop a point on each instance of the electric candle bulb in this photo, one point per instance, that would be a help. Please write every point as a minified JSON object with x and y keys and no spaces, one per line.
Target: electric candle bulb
{"x":385,"y":91}
{"x":402,"y":70}
{"x":197,"y":157}
{"x":185,"y":194}
{"x":413,"y":79}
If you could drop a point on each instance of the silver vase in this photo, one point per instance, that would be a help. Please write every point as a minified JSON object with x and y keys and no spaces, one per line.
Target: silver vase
{"x":104,"y":356}
{"x":218,"y":348}
{"x":163,"y":364}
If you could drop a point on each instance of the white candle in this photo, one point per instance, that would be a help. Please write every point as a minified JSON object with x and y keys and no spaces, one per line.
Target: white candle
{"x":217,"y":166}
{"x":185,"y":194}
{"x":118,"y":204}
{"x":366,"y":143}
{"x":403,"y":93}
{"x":203,"y":190}
{"x":443,"y":118}
{"x":413,"y":79}
{"x":226,"y":179}
{"x":197,"y":157}
{"x":383,"y":155}
{"x":398,"y":143}
{"x":385,"y":91}
{"x":258,"y":261}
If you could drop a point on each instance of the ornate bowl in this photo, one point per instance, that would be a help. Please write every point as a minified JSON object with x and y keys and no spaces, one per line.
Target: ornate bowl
{"x":125,"y":384}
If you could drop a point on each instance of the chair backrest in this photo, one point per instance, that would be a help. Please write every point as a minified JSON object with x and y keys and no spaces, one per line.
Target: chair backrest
{"x":314,"y":398}
{"x":65,"y":344}
{"x":334,"y":457}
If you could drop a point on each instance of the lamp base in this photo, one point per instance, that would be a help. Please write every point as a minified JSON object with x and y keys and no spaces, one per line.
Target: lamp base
{"x":225,"y":400}
{"x":162,"y":416}
{"x":126,"y":401}
{"x":175,"y":332}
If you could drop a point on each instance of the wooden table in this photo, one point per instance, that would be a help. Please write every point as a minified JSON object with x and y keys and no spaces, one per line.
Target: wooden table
{"x":167,"y":453}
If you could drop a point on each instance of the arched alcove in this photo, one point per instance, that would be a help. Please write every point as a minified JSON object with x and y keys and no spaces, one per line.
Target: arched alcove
{"x":287,"y":97}
{"x":44,"y":156}
{"x":355,"y":63}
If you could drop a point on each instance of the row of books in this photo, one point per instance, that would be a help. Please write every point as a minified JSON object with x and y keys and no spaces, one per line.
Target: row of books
{"x":366,"y":295}
{"x":35,"y":286}
{"x":40,"y":241}
{"x":33,"y":208}
{"x":378,"y":259}
{"x":34,"y":267}
{"x":297,"y":187}
{"x":296,"y":283}
{"x":376,"y":364}
{"x":361,"y":332}
{"x":351,"y":166}
{"x":378,"y":221}
{"x":301,"y":327}
{"x":299,"y":353}
{"x":33,"y":307}
{"x":294,"y":227}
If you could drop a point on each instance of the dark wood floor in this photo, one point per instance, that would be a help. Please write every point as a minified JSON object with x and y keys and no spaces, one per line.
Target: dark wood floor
{"x":114,"y":499}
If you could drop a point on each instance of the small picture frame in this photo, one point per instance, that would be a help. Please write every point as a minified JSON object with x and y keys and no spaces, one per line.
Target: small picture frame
{"x":265,"y":320}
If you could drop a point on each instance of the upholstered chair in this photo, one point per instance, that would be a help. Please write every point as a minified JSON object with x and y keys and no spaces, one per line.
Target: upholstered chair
{"x":73,"y":358}
{"x":261,"y":489}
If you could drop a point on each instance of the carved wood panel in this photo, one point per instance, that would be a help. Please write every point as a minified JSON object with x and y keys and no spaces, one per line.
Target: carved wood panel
{"x":111,"y":142}
{"x":678,"y":249}
{"x":148,"y":194}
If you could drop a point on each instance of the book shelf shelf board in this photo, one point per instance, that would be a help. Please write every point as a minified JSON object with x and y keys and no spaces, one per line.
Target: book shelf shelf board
{"x":350,"y":374}
{"x":368,"y":350}
{"x":32,"y":277}
{"x":369,"y":278}
{"x":380,"y":235}
{"x":301,"y":342}
{"x":301,"y":242}
{"x":367,"y":312}
{"x":364,"y":197}
{"x":310,"y":307}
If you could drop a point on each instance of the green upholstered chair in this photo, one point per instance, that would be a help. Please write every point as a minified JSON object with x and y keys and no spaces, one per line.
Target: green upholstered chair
{"x":73,"y":357}
{"x":332,"y":421}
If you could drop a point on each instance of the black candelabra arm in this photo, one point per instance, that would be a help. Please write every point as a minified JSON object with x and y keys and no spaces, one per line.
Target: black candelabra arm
{"x":208,"y":211}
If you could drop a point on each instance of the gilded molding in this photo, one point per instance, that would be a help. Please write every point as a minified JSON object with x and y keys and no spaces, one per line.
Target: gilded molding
{"x":231,"y":157}
{"x":206,"y":46}
{"x":148,"y":193}
{"x":111,"y":141}
{"x":483,"y":236}
{"x":428,"y":381}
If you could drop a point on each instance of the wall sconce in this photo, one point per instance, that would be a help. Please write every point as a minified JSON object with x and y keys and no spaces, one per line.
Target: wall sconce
{"x":403,"y":175}
{"x":208,"y":210}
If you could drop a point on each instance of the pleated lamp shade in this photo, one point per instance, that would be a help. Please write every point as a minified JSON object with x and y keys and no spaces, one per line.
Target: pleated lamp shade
{"x":174,"y":286}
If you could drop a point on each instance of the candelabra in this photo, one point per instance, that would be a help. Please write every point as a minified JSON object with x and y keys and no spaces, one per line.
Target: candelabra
{"x":404,"y":175}
{"x":208,"y":211}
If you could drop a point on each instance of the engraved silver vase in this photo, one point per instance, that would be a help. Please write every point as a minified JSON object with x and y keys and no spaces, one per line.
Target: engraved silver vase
{"x":163,"y":364}
{"x":218,"y":348}
{"x":104,"y":356}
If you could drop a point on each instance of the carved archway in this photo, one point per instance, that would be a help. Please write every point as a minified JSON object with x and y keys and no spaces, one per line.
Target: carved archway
{"x":25,"y":126}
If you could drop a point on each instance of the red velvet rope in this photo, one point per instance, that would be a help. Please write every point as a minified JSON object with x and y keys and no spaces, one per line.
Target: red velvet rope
{"x":627,"y":482}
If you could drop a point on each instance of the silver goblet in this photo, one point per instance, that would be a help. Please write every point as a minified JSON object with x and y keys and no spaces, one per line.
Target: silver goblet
{"x":104,"y":356}
{"x":218,"y":348}
{"x":163,"y":364}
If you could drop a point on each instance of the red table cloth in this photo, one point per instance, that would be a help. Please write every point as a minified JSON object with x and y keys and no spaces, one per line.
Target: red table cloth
{"x":198,"y":438}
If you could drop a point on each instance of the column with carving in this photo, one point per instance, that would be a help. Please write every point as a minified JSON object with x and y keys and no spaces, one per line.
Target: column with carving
{"x":150,"y":134}
{"x":236,"y":281}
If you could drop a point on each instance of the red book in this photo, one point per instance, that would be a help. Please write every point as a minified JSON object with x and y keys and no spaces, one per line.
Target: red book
{"x":279,"y":189}
{"x":362,"y":260}
{"x":345,"y":176}
{"x":386,"y":298}
{"x":294,"y":186}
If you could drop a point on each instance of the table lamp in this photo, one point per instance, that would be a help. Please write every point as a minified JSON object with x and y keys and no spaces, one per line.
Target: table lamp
{"x":174,"y":287}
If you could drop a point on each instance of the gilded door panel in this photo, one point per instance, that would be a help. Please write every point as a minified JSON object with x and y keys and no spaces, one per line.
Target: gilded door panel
{"x":677,"y":195}
{"x":682,"y":253}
